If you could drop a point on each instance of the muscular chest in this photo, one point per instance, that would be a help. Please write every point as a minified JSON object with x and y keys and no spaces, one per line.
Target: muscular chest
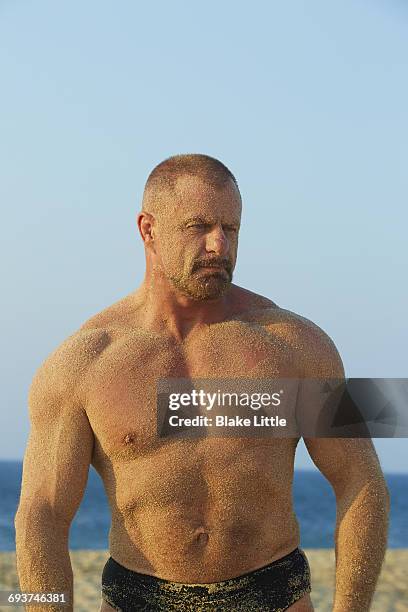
{"x":122,"y":386}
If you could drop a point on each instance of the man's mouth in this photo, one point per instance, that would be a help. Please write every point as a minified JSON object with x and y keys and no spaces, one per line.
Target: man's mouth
{"x":217,"y":266}
{"x":212,"y":270}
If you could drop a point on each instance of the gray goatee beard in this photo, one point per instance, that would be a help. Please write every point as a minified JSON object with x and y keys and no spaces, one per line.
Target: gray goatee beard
{"x":203,"y":288}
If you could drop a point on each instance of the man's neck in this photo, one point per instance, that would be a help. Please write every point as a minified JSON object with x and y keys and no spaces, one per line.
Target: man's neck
{"x":168,"y":310}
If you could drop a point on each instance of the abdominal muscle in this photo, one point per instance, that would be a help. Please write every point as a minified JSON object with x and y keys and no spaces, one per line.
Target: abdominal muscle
{"x":174,"y":549}
{"x":199,"y":524}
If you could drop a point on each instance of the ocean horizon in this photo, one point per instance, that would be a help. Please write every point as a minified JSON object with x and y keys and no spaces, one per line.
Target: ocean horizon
{"x":314,"y":504}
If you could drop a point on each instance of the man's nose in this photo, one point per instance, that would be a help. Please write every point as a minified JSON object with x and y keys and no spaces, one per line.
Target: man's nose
{"x":217,"y":242}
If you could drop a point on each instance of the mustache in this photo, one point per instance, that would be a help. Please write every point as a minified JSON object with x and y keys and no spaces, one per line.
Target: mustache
{"x":214,"y":262}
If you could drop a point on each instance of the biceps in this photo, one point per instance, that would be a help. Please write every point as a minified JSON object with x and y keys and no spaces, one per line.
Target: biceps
{"x":56,"y":464}
{"x":344,"y":460}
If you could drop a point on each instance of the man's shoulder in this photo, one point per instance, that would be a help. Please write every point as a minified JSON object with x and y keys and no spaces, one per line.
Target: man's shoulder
{"x":97,"y":333}
{"x":250,"y":304}
{"x":118,"y":315}
{"x":87,"y":342}
{"x":82,"y":347}
{"x":258,"y":308}
{"x":63,"y":371}
{"x":298,"y":328}
{"x":315,"y":351}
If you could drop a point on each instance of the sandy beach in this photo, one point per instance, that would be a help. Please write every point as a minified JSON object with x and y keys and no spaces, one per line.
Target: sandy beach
{"x":391,"y":594}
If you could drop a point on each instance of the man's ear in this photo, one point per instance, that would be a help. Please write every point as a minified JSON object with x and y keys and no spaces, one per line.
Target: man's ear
{"x":145,"y":223}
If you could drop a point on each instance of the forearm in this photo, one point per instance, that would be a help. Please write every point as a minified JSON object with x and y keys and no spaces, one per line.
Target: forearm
{"x":361,"y":539}
{"x":43,"y":561}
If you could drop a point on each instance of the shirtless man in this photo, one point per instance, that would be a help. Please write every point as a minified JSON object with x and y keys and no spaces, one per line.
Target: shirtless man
{"x":192,"y":511}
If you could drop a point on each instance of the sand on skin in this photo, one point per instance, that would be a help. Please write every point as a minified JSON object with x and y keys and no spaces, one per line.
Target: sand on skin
{"x":391,"y":594}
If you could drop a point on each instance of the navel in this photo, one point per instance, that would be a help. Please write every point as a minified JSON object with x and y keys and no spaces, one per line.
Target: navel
{"x":201,"y":536}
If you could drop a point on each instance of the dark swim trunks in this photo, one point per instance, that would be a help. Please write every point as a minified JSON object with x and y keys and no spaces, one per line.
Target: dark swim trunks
{"x":272,"y":588}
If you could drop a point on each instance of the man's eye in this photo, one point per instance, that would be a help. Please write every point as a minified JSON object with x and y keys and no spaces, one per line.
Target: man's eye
{"x":198,"y":226}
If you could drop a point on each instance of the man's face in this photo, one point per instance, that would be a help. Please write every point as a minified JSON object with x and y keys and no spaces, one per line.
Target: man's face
{"x":197,"y":237}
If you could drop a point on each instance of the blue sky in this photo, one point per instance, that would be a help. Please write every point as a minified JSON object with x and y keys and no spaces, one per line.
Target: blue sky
{"x":304,"y":101}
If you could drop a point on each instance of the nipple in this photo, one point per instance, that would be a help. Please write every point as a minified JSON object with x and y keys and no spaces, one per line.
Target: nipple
{"x":129,"y":438}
